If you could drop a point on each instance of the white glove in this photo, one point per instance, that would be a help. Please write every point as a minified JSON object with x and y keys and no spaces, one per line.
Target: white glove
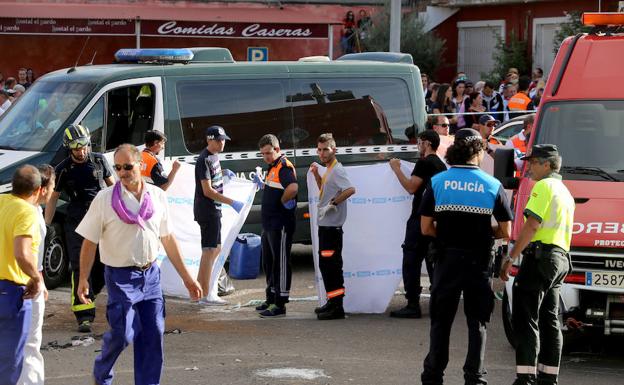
{"x":322,"y":211}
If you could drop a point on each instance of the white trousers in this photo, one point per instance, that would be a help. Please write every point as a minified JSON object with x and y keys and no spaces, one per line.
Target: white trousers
{"x":32,"y":371}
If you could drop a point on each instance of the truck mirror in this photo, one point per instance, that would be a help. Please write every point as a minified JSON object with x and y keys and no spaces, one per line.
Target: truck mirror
{"x":504,"y":168}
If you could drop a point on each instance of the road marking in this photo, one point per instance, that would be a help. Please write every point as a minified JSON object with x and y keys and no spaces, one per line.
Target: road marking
{"x":301,"y":374}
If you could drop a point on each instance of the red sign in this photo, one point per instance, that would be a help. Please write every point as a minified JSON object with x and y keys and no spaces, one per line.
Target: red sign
{"x":233,"y":30}
{"x":35,"y":26}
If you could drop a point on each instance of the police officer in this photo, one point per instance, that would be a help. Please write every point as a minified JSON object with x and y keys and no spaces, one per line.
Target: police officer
{"x":81,"y":176}
{"x":544,"y":242}
{"x":279,"y":203}
{"x":152,"y":169}
{"x":457,"y":210}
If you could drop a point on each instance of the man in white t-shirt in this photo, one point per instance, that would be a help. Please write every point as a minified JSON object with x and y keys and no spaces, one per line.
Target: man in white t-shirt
{"x":129,"y":220}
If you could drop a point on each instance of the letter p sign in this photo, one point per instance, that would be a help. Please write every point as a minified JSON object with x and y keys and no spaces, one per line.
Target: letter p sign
{"x":257,"y":54}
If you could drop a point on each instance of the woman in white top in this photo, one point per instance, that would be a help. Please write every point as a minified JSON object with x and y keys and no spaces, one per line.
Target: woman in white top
{"x":32,"y":369}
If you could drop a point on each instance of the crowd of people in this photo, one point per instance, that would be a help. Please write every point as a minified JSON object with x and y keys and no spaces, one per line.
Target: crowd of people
{"x":464,"y":102}
{"x":11,"y":88}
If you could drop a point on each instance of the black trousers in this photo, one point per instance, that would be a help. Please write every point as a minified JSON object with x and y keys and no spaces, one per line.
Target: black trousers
{"x":82,"y":311}
{"x":535,"y":315}
{"x":330,"y":261}
{"x":276,"y":245}
{"x":458,"y":271}
{"x":414,"y":253}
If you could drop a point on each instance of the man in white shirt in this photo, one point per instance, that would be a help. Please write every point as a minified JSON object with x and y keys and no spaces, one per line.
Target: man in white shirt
{"x":5,"y":101}
{"x":128,"y":220}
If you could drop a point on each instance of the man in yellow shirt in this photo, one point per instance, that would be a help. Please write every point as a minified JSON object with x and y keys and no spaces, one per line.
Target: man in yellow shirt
{"x":19,"y":279}
{"x":544,"y":242}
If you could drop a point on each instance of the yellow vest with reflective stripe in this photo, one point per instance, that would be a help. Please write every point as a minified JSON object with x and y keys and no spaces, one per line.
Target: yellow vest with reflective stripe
{"x":553,"y":205}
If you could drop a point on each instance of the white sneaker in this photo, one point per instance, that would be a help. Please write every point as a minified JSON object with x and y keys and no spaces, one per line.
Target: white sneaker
{"x":213,"y":301}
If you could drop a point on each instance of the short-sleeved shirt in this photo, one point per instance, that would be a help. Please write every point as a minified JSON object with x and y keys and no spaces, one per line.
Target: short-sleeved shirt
{"x":43,"y":230}
{"x":207,"y":168}
{"x":335,"y":182}
{"x":24,"y":221}
{"x":462,"y":201}
{"x":275,"y":216}
{"x":152,"y":169}
{"x":553,"y":206}
{"x":425,"y":169}
{"x":122,"y":244}
{"x":81,"y":182}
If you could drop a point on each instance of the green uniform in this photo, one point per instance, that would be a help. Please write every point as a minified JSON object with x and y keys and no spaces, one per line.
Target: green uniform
{"x":536,"y":288}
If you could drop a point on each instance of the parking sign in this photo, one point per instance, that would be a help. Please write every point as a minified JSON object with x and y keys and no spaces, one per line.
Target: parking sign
{"x":257,"y":54}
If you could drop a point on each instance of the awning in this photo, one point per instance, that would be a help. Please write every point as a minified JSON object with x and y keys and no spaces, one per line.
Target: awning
{"x":182,"y":11}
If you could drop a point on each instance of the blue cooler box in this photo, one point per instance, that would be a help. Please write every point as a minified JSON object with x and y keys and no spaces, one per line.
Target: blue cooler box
{"x":245,"y":257}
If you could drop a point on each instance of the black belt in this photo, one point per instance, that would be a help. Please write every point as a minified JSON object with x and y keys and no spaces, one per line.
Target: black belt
{"x":141,"y":268}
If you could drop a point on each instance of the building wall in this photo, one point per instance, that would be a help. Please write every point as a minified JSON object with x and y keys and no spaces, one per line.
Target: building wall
{"x":517,"y":17}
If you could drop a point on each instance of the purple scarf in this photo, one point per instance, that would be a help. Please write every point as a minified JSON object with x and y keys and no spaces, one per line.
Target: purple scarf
{"x":145,"y":211}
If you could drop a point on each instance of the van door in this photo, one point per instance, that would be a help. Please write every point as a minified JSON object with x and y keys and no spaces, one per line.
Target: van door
{"x":121,"y":112}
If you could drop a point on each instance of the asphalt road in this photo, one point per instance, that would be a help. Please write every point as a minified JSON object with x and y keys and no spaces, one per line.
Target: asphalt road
{"x":232,"y":345}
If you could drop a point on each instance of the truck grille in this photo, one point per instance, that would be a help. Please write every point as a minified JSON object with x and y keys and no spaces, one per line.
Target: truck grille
{"x":591,"y":261}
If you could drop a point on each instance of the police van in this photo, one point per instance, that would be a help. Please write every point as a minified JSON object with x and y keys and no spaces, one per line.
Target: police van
{"x":371,"y":102}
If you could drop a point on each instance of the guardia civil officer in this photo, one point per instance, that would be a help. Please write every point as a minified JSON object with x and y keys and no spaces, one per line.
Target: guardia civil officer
{"x":457,"y":210}
{"x":81,"y":176}
{"x":335,"y":188}
{"x":544,"y":242}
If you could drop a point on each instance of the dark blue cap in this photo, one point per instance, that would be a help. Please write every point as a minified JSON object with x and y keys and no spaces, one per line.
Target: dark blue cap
{"x":216,"y":133}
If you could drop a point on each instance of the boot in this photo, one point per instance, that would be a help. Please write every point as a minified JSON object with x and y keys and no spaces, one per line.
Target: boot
{"x":411,"y":310}
{"x":334,"y":310}
{"x":323,"y":308}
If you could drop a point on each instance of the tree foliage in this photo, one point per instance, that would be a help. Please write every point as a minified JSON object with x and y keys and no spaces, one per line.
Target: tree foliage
{"x":425,"y":47}
{"x":507,"y":55}
{"x":570,"y":28}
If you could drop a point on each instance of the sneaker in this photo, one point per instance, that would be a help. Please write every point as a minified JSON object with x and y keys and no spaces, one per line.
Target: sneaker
{"x":273,"y":311}
{"x":322,"y":309}
{"x":409,"y":311}
{"x":333,"y":312}
{"x":263,"y":306}
{"x":84,"y":326}
{"x":210,"y":301}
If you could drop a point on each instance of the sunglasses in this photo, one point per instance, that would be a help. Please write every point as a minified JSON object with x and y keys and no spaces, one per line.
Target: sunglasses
{"x":125,"y":166}
{"x":493,"y":124}
{"x":79,"y":143}
{"x":442,"y":125}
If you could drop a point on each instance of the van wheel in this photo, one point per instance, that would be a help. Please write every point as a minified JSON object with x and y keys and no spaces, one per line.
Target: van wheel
{"x":507,"y":325}
{"x":55,"y":261}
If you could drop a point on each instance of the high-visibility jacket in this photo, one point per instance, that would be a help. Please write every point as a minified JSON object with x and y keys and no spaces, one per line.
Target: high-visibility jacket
{"x":519,"y":102}
{"x":519,"y":144}
{"x":149,"y":161}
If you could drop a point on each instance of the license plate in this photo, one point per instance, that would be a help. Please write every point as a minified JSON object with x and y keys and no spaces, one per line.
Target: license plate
{"x":605,"y":279}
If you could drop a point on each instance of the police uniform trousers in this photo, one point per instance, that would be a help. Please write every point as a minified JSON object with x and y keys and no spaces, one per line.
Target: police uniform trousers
{"x":82,"y":311}
{"x":458,"y":271}
{"x":136,"y":314}
{"x":15,"y":318}
{"x":330,"y":262}
{"x":276,"y":245}
{"x":535,"y":314}
{"x":415,"y":251}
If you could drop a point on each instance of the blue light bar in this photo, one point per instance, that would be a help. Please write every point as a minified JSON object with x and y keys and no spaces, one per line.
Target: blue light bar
{"x":159,"y":55}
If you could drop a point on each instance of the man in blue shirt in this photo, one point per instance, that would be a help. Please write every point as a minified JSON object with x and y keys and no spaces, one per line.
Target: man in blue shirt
{"x":457,"y":211}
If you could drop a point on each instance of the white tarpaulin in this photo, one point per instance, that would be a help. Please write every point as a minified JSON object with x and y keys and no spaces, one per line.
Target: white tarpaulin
{"x":180,"y":196}
{"x":373,"y":234}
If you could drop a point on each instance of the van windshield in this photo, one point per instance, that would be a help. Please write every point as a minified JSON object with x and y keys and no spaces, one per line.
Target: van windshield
{"x":589,"y":135}
{"x":38,"y":114}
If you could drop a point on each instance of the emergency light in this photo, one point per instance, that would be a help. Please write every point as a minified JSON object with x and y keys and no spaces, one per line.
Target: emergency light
{"x":603,"y":18}
{"x":158,"y":55}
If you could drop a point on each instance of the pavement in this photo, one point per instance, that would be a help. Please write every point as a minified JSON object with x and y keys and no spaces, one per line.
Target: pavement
{"x":232,"y":345}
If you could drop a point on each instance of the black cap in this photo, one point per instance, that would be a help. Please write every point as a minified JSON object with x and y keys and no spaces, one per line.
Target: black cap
{"x":468,"y":135}
{"x":542,"y":151}
{"x":484,"y":119}
{"x":216,"y":133}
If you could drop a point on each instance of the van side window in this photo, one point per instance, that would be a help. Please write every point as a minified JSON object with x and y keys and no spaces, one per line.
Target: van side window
{"x":358,"y":111}
{"x":94,"y":121}
{"x":130,"y":112}
{"x":247,"y":109}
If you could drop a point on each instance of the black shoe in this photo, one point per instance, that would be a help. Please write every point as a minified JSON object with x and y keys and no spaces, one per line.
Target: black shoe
{"x":273,"y":311}
{"x":409,"y":311}
{"x":322,"y":309}
{"x":84,"y":326}
{"x":333,"y":312}
{"x":263,"y":306}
